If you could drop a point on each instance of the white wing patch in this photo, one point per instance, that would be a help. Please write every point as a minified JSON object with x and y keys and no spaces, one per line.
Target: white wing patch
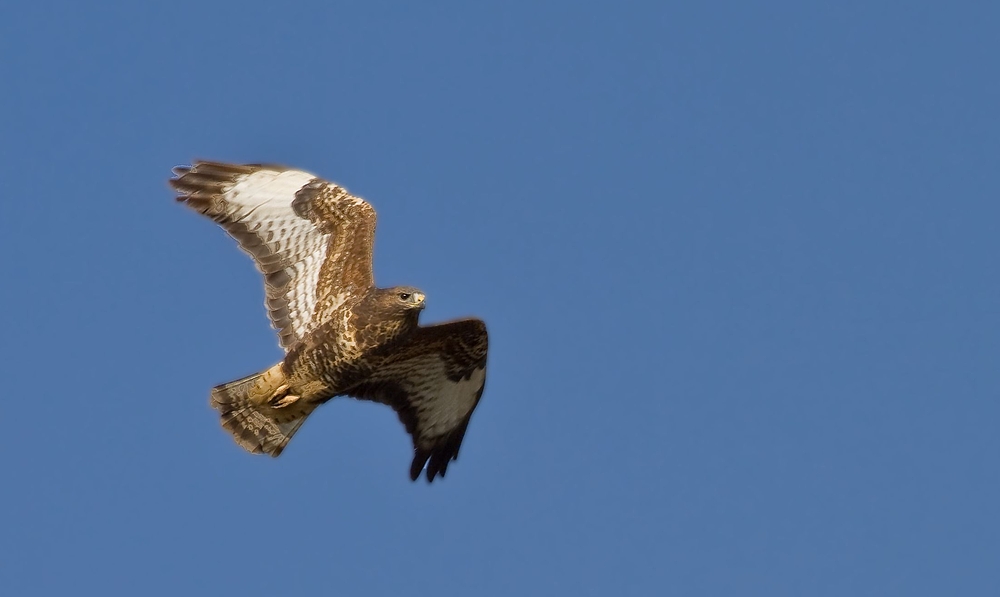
{"x":254,"y":205}
{"x":263,"y":201}
{"x":268,"y":185}
{"x":300,"y":293}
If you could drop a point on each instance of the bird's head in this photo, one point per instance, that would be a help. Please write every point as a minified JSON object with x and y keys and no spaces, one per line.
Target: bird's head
{"x":386,"y":313}
{"x":409,"y":297}
{"x":401,"y":299}
{"x":398,"y":308}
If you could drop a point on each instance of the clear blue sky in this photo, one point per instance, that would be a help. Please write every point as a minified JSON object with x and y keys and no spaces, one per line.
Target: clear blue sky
{"x":738,"y":262}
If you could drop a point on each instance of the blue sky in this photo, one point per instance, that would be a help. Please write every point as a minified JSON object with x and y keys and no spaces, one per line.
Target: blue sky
{"x":738,"y":262}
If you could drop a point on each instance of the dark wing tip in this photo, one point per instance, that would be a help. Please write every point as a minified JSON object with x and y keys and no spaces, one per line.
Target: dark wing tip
{"x":204,"y":179}
{"x":437,"y":466}
{"x":419,"y":460}
{"x":175,"y":183}
{"x":436,"y":462}
{"x":437,"y":458}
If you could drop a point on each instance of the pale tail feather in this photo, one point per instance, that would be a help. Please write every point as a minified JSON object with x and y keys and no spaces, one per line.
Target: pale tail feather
{"x":254,"y":425}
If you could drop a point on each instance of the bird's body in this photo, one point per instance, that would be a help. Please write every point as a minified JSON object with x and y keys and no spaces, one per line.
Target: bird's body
{"x":342,"y":335}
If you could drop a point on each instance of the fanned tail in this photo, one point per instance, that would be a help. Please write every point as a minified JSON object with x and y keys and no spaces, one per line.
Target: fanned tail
{"x":255,"y":425}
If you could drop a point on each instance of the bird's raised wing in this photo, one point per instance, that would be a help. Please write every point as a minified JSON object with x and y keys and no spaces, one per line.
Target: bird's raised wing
{"x":310,"y":238}
{"x":433,"y":381}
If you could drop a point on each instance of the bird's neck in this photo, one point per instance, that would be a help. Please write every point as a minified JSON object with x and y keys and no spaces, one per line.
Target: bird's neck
{"x":377,"y":328}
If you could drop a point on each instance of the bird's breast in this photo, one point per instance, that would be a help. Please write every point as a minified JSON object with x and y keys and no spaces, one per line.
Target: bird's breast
{"x":320,"y":366}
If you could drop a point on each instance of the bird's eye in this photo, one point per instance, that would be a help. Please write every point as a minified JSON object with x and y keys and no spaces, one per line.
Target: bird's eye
{"x":404,"y":295}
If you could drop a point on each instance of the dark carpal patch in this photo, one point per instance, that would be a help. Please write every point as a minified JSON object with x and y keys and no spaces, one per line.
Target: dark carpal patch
{"x":302,"y":205}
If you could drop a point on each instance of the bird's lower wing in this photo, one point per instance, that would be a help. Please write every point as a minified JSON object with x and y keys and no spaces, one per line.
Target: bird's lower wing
{"x":434,"y":382}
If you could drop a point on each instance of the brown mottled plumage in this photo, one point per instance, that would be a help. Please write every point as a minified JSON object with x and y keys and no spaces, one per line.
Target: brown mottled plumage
{"x":342,"y":336}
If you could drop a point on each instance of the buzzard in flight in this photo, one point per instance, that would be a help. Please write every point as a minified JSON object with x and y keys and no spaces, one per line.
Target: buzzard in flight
{"x":342,"y":335}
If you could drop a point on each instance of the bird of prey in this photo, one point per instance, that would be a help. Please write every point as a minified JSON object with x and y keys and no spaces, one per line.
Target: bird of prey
{"x":342,"y":336}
